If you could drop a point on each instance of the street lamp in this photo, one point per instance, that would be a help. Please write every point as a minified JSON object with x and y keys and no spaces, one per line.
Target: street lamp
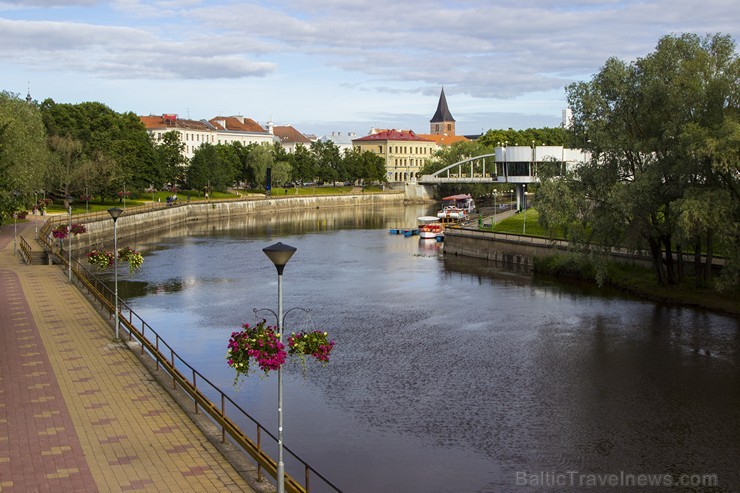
{"x":279,"y":254}
{"x":15,"y":231}
{"x":115,"y":213}
{"x":69,"y":233}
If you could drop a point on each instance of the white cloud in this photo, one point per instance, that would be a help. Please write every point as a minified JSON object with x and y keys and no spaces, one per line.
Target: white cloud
{"x":480,"y":49}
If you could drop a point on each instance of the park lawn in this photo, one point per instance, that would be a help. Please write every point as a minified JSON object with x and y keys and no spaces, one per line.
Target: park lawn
{"x":524,"y":223}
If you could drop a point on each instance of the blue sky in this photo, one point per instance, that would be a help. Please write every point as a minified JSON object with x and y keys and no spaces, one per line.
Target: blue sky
{"x":330,"y":65}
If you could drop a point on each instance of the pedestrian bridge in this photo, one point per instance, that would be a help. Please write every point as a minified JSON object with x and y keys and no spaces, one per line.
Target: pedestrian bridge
{"x":517,"y":165}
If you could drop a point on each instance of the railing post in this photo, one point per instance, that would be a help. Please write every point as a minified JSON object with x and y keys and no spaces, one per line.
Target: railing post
{"x":223,"y":413}
{"x":172,"y":362}
{"x":307,"y":487}
{"x":259,"y":450}
{"x":156,"y":345}
{"x":195,"y":387}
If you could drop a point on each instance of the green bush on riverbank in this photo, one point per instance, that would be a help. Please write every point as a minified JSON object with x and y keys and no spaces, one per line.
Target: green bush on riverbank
{"x":635,"y":280}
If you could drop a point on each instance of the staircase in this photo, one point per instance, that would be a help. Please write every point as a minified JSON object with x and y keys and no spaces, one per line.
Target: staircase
{"x":38,"y":257}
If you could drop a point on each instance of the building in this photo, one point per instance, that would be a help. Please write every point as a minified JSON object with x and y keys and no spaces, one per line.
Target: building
{"x":219,"y":130}
{"x":404,"y":152}
{"x":442,"y":122}
{"x":342,"y":141}
{"x":290,"y":138}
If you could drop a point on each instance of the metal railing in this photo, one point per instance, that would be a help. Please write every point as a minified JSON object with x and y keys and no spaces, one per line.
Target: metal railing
{"x":197,"y":385}
{"x":25,"y":250}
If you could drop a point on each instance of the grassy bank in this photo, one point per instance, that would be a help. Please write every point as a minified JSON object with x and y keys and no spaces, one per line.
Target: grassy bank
{"x":631,"y":279}
{"x":637,"y":281}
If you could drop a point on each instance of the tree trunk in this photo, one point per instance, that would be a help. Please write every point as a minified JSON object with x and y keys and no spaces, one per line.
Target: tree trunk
{"x":698,"y":267}
{"x":657,"y":257}
{"x":710,"y":257}
{"x":671,"y":271}
{"x":679,"y":263}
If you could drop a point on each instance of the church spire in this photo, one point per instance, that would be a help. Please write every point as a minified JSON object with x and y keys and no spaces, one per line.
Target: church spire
{"x":442,"y":122}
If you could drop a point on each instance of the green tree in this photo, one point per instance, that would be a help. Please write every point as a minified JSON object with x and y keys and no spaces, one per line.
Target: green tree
{"x":304,"y":165}
{"x":24,"y":156}
{"x":169,"y":152}
{"x":656,"y":130}
{"x":328,"y":161}
{"x":214,"y":167}
{"x":107,"y":135}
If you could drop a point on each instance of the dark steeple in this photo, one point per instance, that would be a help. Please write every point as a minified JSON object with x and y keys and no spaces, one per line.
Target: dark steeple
{"x":443,"y":112}
{"x":442,"y":122}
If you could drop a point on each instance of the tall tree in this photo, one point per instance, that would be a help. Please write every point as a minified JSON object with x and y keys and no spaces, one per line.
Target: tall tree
{"x":654,"y":128}
{"x":169,"y":152}
{"x":24,"y":157}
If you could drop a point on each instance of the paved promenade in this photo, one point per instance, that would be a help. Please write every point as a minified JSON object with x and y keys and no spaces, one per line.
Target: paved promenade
{"x":78,"y":412}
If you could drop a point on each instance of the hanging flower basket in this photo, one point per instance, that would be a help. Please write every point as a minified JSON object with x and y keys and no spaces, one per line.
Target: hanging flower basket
{"x":60,"y":232}
{"x":101,"y":259}
{"x":134,"y":258}
{"x":78,"y":229}
{"x":259,"y":344}
{"x":316,"y":344}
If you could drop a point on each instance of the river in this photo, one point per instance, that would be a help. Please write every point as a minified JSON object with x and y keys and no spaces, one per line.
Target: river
{"x":450,"y":374}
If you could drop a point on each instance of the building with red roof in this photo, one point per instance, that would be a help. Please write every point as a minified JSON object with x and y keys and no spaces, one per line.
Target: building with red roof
{"x":403,"y":151}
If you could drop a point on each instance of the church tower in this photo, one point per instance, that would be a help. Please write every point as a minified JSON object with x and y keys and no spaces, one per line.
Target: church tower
{"x":442,"y":122}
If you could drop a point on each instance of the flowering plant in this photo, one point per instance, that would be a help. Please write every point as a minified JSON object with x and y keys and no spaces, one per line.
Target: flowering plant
{"x":101,"y":259}
{"x":60,"y":232}
{"x":316,"y":344}
{"x":86,"y":197}
{"x":260,"y":343}
{"x":78,"y":229}
{"x":124,"y":194}
{"x":134,"y":258}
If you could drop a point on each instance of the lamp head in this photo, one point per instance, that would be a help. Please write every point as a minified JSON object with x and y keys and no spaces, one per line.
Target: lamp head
{"x":279,"y":254}
{"x":114,"y":212}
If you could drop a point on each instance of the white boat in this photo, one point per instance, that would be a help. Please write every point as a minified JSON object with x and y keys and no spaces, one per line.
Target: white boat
{"x":430,"y":228}
{"x":456,"y":207}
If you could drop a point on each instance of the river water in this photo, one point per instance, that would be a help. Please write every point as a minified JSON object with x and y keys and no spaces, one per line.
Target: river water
{"x":450,"y":374}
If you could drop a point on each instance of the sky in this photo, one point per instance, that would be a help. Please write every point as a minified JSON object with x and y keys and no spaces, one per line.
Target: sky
{"x":331,"y":65}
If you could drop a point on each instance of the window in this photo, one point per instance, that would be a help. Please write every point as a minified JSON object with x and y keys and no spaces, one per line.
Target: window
{"x":436,"y":127}
{"x":449,"y":127}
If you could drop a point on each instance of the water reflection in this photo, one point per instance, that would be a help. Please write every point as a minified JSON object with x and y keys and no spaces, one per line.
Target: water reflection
{"x":450,"y":374}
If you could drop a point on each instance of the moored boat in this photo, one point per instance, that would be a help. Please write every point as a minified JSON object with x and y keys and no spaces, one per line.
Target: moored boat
{"x":430,"y":228}
{"x":456,"y":207}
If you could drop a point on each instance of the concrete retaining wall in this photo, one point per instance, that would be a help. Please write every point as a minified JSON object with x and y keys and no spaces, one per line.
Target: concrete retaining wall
{"x":100,"y":230}
{"x":515,"y":249}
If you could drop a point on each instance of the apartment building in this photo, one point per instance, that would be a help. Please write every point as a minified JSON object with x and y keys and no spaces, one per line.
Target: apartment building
{"x":218,"y":130}
{"x":404,"y":152}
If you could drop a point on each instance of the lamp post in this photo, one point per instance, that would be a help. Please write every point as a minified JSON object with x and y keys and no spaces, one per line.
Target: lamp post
{"x":15,"y":231}
{"x":279,"y":254}
{"x":69,"y":235}
{"x":115,"y":213}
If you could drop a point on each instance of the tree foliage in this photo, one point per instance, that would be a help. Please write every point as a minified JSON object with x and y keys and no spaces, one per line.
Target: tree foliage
{"x":24,"y":156}
{"x":663,"y":135}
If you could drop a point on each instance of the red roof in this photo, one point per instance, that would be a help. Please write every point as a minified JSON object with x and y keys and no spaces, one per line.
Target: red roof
{"x":392,"y":135}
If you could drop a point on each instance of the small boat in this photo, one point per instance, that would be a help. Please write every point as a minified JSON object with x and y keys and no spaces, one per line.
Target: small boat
{"x":430,"y":228}
{"x":394,"y":231}
{"x":456,"y":208}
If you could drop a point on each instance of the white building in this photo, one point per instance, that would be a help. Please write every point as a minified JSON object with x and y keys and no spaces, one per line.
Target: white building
{"x":218,"y":130}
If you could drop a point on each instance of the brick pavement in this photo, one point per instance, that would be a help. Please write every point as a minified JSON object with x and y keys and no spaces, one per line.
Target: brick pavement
{"x":79,"y":412}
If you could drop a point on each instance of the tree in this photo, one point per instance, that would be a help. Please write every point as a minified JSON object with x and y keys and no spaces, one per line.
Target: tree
{"x":213,"y":166}
{"x":304,"y":165}
{"x":169,"y":152}
{"x":328,"y":161}
{"x":107,"y":135}
{"x":654,"y":128}
{"x":24,"y":157}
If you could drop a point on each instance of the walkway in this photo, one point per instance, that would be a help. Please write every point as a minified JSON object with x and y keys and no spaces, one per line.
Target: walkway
{"x":79,"y":413}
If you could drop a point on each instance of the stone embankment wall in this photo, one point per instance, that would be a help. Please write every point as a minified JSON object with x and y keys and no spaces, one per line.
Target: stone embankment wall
{"x":141,"y":221}
{"x":515,"y":249}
